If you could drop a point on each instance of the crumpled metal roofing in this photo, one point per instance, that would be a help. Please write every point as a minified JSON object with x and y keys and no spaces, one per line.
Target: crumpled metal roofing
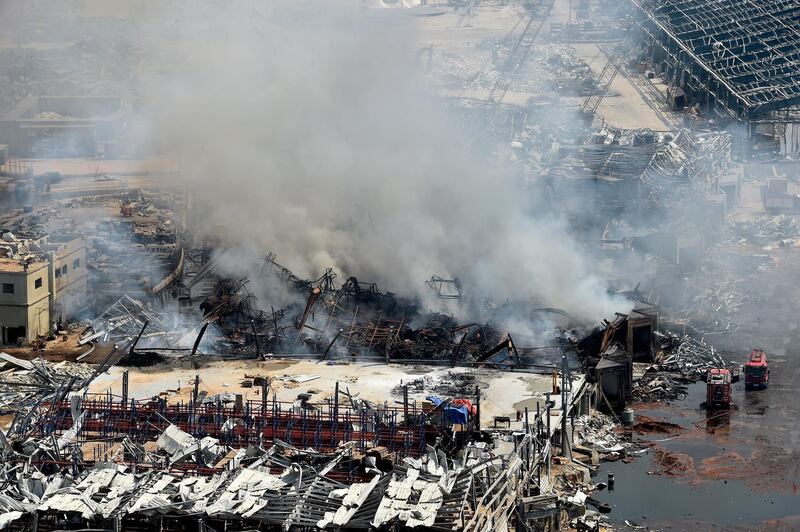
{"x":108,"y":490}
{"x":412,"y":495}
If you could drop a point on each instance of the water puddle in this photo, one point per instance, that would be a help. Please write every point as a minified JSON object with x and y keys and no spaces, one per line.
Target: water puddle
{"x":713,"y":469}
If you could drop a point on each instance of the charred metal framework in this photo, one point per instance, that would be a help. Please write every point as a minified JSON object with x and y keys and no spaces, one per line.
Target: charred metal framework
{"x":736,"y":58}
{"x":445,"y":289}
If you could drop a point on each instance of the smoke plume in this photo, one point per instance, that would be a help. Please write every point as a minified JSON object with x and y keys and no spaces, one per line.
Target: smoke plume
{"x":306,"y":129}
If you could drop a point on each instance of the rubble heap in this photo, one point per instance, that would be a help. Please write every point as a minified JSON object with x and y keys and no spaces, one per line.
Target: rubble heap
{"x":27,"y":383}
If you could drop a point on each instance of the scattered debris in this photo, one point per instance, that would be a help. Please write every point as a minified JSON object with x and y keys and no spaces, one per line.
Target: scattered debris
{"x":599,"y":433}
{"x":691,"y":357}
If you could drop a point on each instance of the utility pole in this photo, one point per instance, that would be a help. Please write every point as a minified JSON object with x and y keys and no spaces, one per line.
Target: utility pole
{"x":547,"y":398}
{"x":125,"y":389}
{"x":405,"y":402}
{"x":565,"y":444}
{"x":477,"y":409}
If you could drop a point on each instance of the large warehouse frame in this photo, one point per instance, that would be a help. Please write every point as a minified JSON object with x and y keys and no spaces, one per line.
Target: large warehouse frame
{"x":735,"y":58}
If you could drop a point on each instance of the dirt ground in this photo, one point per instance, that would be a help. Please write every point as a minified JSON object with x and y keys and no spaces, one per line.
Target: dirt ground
{"x":63,"y":347}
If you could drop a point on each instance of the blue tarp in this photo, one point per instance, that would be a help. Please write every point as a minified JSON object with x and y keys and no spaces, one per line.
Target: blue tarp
{"x":435,"y":400}
{"x":452,"y":413}
{"x":456,"y":414}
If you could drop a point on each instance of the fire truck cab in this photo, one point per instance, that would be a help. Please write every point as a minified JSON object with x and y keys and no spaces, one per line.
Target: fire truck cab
{"x":718,"y":387}
{"x":756,"y":370}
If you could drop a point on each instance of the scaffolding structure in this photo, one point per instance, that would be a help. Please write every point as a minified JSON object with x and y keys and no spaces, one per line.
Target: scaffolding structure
{"x":321,"y":426}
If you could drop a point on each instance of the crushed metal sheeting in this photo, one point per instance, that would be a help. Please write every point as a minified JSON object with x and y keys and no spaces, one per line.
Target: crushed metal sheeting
{"x":282,"y":486}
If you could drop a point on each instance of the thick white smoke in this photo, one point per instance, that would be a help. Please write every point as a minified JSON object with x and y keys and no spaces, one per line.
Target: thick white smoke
{"x":305,"y":129}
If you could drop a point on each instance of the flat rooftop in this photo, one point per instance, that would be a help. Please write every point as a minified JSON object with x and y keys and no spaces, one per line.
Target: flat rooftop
{"x":8,"y":265}
{"x":49,"y":109}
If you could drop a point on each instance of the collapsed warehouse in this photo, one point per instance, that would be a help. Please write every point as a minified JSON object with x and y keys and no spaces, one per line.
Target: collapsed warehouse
{"x":731,"y":60}
{"x":114,"y":461}
{"x":645,"y":178}
{"x":353,"y":321}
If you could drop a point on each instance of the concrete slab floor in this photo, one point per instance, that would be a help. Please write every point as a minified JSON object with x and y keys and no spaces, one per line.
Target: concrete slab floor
{"x":502,"y":392}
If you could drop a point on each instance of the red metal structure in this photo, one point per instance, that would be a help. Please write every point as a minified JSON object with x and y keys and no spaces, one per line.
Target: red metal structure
{"x":756,"y":370}
{"x":321,"y":426}
{"x":718,"y":387}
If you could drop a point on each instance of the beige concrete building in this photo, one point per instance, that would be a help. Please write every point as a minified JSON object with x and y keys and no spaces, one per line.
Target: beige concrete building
{"x":69,"y":279}
{"x":24,"y":299}
{"x":42,"y":280}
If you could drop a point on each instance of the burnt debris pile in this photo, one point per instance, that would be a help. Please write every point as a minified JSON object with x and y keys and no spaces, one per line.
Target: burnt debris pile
{"x":221,"y":314}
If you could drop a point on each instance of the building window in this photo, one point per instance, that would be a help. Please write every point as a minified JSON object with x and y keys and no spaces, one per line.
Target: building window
{"x":8,"y":288}
{"x":37,"y":283}
{"x":76,"y":264}
{"x":58,"y":273}
{"x":64,"y":270}
{"x":14,"y":334}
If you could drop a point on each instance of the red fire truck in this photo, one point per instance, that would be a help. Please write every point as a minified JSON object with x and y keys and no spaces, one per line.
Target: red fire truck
{"x":756,"y":370}
{"x":718,"y":387}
